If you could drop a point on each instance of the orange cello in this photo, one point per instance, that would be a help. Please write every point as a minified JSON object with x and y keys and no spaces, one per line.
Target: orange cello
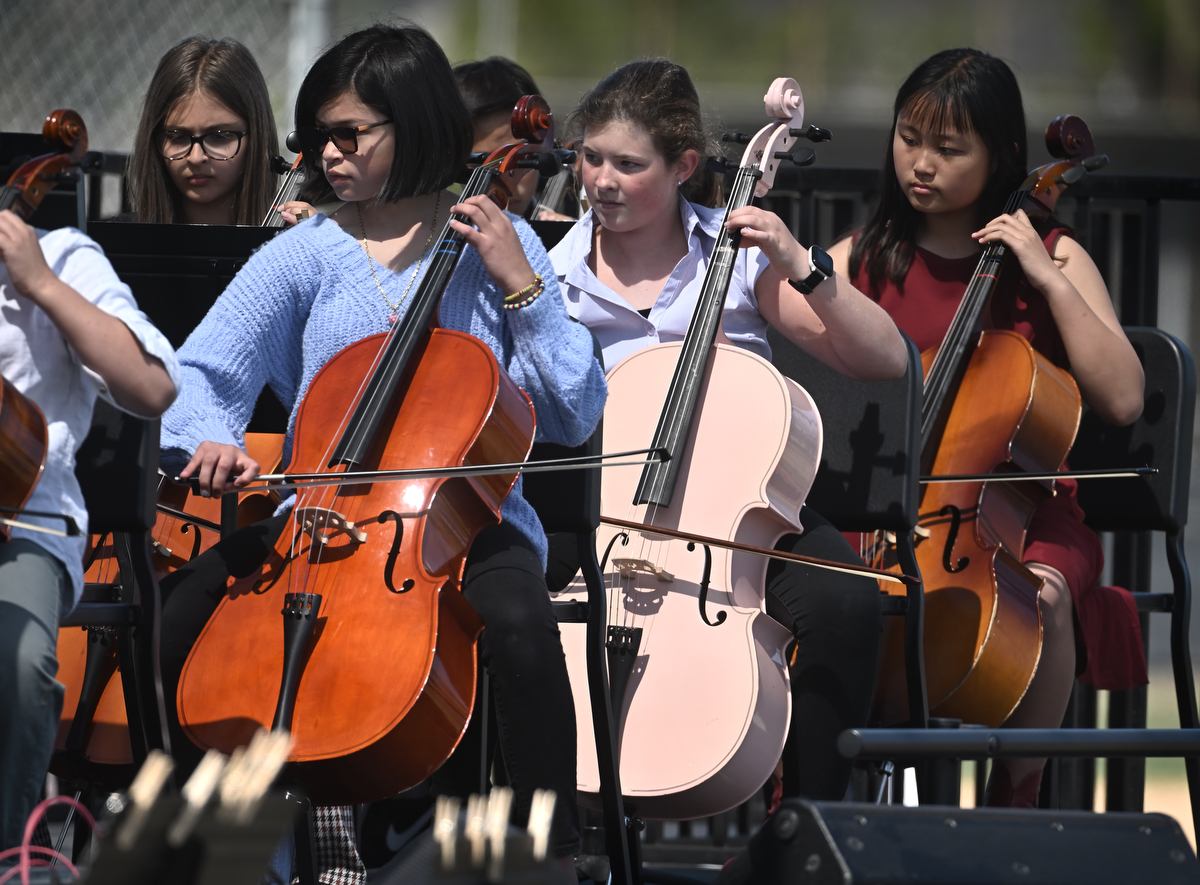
{"x":992,"y":404}
{"x":699,"y":681}
{"x":373,"y":666}
{"x":186,"y":526}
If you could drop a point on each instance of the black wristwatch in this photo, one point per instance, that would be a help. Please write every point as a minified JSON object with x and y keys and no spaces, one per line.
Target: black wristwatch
{"x":820,"y":266}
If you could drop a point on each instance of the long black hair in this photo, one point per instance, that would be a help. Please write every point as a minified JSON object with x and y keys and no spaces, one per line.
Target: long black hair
{"x":962,"y":89}
{"x":402,"y":73}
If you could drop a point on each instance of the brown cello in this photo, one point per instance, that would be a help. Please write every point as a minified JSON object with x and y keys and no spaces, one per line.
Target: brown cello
{"x":186,"y":526}
{"x":372,"y":665}
{"x":23,"y":449}
{"x":992,"y":404}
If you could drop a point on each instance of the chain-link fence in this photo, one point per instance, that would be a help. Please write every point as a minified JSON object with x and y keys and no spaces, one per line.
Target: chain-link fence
{"x":98,"y":57}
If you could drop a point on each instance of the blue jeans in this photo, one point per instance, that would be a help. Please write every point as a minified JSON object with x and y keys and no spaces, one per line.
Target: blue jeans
{"x":34,"y":592}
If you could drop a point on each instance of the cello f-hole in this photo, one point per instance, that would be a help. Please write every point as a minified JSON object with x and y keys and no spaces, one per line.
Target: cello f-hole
{"x":623,"y":537}
{"x":955,"y":520}
{"x":184,"y":529}
{"x":408,"y":583}
{"x":721,"y":616}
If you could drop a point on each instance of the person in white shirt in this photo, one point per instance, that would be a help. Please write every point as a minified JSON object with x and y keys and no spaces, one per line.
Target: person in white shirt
{"x":632,"y":269}
{"x":69,"y":332}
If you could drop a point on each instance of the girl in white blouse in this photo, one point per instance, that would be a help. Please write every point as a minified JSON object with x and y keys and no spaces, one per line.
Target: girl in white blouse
{"x":631,"y":271}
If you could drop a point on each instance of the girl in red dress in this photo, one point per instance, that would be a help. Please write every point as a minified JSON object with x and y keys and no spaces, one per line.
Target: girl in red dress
{"x":956,"y":152}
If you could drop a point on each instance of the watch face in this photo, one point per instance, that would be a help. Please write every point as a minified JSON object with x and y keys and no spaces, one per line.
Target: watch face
{"x":821,"y":261}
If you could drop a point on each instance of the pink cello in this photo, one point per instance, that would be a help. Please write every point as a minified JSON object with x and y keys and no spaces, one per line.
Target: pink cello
{"x":700,"y":686}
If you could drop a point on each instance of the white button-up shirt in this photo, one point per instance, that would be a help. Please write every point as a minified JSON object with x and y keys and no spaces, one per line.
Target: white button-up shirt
{"x":36,"y":359}
{"x":621,"y":330}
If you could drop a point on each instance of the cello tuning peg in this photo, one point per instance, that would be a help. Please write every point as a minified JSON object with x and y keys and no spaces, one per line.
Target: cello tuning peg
{"x":735,"y":136}
{"x":1097,"y":162}
{"x":92,"y":161}
{"x":566,"y":157}
{"x":1071,"y":176}
{"x":293,"y":142}
{"x":721,"y":165}
{"x":547,"y":163}
{"x":812,"y":133}
{"x":800,"y":156}
{"x":280,"y":166}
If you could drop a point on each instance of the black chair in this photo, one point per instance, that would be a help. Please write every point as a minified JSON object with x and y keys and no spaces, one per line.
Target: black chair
{"x":569,"y":501}
{"x":117,"y":467}
{"x":1160,"y":438}
{"x":868,"y":477}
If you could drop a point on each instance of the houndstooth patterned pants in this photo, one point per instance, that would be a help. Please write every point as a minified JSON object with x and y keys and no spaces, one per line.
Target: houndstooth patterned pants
{"x":338,"y":862}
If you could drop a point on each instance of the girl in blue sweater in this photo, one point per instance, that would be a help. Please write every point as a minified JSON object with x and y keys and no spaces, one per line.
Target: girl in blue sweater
{"x":381,"y":119}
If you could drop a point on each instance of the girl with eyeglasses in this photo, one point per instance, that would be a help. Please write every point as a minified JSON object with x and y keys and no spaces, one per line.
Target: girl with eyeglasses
{"x":203,"y":149}
{"x":383,"y":126}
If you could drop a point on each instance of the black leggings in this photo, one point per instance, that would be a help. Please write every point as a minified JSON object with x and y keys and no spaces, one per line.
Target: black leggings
{"x":520,"y":648}
{"x":836,"y":619}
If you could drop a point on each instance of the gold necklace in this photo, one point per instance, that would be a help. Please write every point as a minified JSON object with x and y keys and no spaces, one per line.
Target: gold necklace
{"x":371,"y":263}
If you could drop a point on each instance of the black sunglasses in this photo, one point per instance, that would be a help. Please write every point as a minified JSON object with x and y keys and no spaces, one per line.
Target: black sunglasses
{"x":312,"y":140}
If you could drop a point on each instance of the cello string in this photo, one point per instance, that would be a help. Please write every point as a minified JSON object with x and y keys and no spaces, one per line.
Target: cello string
{"x":708,"y":312}
{"x":328,"y":496}
{"x":941,"y":372}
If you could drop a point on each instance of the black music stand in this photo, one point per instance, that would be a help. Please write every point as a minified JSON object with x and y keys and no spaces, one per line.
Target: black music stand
{"x":176,"y":272}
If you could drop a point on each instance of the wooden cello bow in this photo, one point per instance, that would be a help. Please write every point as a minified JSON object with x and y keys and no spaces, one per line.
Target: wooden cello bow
{"x":992,"y":404}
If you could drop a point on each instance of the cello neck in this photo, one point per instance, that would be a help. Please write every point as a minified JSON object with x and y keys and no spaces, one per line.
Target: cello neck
{"x":958,"y":345}
{"x":289,"y":189}
{"x":658,"y":478}
{"x":9,"y":196}
{"x":1067,"y":138}
{"x":407,"y":335}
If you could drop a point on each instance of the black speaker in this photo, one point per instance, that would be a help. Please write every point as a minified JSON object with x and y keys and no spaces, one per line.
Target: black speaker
{"x":847,"y":844}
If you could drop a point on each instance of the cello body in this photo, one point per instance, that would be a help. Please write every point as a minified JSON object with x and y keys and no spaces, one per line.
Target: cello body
{"x":707,"y":708}
{"x":23,"y":447}
{"x":1015,"y":411}
{"x":388,"y":680}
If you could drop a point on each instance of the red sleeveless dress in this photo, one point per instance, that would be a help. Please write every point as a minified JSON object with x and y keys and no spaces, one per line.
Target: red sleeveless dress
{"x":1112,"y":656}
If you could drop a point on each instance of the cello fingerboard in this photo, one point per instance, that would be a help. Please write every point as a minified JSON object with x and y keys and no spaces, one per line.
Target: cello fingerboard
{"x":658,"y":479}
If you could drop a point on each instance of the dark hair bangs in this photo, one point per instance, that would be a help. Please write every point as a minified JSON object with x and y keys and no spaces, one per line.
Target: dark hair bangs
{"x":937,"y":109}
{"x":402,"y":73}
{"x":963,"y":90}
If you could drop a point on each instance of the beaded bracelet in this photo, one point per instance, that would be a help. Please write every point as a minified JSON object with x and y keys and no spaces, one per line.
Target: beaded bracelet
{"x":525,"y":297}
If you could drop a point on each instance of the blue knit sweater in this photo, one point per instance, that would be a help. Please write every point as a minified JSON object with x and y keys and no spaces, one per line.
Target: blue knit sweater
{"x":308,"y":293}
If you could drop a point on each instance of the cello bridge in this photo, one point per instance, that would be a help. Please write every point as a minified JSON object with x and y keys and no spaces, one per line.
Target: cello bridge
{"x":321,"y":524}
{"x":629,"y":567}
